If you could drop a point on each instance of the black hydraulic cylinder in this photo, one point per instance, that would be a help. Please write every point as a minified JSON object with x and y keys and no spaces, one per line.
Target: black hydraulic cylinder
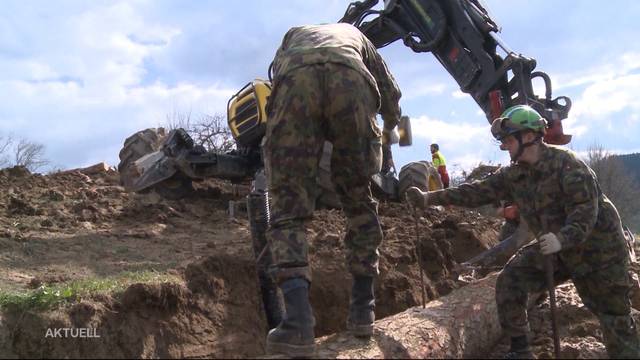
{"x":258,"y":211}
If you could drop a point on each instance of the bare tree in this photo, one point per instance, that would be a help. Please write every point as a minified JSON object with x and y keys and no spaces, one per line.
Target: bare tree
{"x":210,"y":131}
{"x":619,"y":186}
{"x":457,"y":174}
{"x":177,"y":120}
{"x":5,"y":143}
{"x":29,"y":154}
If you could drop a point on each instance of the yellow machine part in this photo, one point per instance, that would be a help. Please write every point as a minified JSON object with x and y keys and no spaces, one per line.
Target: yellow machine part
{"x":434,"y":181}
{"x":246,"y":112}
{"x":434,"y":184}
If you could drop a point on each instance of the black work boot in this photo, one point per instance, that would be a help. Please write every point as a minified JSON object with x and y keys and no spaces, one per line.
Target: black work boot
{"x":362,"y":306}
{"x":519,"y":349}
{"x":294,"y":336}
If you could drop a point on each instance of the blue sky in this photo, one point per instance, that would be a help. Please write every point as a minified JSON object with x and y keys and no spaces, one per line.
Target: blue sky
{"x":80,"y":76}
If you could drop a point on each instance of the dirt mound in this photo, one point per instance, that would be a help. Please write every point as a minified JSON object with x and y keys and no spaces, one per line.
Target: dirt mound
{"x":72,"y":226}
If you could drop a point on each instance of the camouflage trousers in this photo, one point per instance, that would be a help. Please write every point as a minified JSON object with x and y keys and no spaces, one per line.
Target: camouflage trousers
{"x":309,"y":105}
{"x":604,"y":292}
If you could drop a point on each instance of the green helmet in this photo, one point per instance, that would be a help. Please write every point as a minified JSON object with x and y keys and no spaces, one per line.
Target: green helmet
{"x":515,"y":119}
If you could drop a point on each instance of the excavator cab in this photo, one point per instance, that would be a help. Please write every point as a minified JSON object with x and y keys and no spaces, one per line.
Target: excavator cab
{"x":246,"y":113}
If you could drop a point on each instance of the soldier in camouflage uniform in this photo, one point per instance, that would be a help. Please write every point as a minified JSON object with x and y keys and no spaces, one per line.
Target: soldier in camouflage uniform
{"x":560,"y":199}
{"x":329,"y":83}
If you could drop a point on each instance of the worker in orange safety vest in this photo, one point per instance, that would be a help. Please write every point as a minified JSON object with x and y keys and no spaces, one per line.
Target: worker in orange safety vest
{"x":440,"y":163}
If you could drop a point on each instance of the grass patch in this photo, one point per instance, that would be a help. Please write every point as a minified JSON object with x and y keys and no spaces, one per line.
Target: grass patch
{"x":48,"y":297}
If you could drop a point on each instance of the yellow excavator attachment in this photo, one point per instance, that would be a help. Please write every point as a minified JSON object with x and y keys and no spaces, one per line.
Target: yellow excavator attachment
{"x":246,"y":112}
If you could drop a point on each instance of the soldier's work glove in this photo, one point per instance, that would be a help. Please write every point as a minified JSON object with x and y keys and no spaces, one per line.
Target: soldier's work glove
{"x":390,"y":137}
{"x":549,"y":244}
{"x":417,"y":198}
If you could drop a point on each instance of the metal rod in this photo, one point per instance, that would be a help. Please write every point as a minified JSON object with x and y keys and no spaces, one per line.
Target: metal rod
{"x":548,"y":264}
{"x":551,"y":287}
{"x":501,"y":43}
{"x":418,"y":256}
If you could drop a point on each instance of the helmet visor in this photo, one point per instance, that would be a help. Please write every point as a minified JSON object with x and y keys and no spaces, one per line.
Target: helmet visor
{"x":503,"y":127}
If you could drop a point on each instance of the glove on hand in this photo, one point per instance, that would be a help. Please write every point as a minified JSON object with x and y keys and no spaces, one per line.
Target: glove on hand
{"x":417,"y":198}
{"x":549,"y":244}
{"x":390,"y":137}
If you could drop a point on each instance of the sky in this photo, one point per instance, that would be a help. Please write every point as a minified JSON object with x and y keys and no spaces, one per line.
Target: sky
{"x":81,"y":76}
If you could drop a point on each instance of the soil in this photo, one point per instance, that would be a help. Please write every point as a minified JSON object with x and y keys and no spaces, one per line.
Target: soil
{"x":70,"y":226}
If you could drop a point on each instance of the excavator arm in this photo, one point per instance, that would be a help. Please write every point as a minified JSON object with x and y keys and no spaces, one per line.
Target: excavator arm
{"x":464,"y":38}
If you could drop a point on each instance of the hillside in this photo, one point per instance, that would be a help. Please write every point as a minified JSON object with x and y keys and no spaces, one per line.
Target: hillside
{"x":632,"y":164}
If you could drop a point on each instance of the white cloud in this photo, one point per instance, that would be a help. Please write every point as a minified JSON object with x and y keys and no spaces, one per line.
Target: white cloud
{"x":618,"y":66}
{"x":463,"y":144}
{"x":93,"y":48}
{"x":606,"y":105}
{"x":458,"y":94}
{"x":83,"y":85}
{"x":417,"y":90}
{"x":465,"y":162}
{"x":69,"y":98}
{"x":439,"y":131}
{"x":609,"y":96}
{"x":572,"y":126}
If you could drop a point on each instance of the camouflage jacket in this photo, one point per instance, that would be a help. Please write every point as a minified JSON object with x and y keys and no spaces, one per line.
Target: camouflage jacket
{"x":559,"y":194}
{"x":341,"y":44}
